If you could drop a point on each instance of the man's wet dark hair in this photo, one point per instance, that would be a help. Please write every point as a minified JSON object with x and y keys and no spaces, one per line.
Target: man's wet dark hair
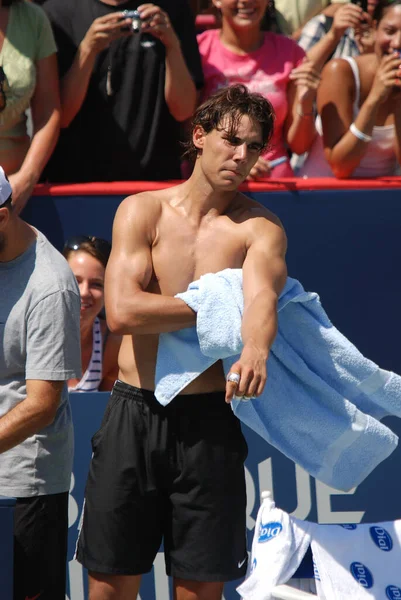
{"x":382,"y":8}
{"x":232,"y":102}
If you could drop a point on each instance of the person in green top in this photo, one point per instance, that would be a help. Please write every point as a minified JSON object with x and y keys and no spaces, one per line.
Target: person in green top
{"x":28,"y":79}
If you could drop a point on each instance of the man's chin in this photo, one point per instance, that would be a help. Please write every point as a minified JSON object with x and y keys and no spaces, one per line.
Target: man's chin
{"x":230,"y":185}
{"x":232,"y":180}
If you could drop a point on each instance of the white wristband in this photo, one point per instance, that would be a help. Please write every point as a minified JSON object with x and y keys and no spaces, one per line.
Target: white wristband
{"x":359,"y":134}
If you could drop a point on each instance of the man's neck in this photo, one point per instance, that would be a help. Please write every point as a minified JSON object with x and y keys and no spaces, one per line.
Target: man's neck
{"x":198,"y":198}
{"x":18,"y":239}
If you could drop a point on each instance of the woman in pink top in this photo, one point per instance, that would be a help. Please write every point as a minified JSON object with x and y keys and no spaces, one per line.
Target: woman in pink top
{"x":268,"y":63}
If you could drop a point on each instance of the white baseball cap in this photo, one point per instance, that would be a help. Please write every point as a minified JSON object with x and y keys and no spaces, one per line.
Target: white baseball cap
{"x":5,"y":187}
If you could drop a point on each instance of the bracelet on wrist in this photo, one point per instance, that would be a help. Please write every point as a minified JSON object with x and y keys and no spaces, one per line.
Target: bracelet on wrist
{"x":303,"y":114}
{"x":364,"y":137}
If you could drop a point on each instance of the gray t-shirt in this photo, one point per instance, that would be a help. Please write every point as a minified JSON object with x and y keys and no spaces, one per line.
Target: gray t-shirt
{"x":39,"y":339}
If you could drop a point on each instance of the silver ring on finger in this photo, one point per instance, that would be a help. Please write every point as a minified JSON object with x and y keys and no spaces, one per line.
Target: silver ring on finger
{"x":234,"y":377}
{"x":247,"y":398}
{"x":238,"y":397}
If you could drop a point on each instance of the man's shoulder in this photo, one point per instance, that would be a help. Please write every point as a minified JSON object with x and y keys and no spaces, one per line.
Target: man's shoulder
{"x":52,"y":269}
{"x":141,"y":210}
{"x":149,"y":202}
{"x":254,"y":213}
{"x":144,"y":202}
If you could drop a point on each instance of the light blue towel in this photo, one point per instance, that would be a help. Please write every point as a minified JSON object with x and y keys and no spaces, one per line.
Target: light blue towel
{"x":323,"y":400}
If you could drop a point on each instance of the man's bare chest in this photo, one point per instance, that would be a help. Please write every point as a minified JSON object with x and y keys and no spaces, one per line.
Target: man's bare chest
{"x":182,"y":254}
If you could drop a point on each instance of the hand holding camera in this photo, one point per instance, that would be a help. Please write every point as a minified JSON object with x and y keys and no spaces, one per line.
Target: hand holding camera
{"x":135,"y":18}
{"x":155,"y":21}
{"x":104,"y":31}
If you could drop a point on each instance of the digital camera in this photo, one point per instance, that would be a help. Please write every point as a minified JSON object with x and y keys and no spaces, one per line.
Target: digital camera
{"x":135,"y":19}
{"x":362,"y":3}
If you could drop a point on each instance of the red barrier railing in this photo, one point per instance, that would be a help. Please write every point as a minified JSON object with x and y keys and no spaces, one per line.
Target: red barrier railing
{"x":122,"y":188}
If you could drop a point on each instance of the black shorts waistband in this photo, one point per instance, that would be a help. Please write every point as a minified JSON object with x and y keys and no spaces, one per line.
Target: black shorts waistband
{"x":203,"y":400}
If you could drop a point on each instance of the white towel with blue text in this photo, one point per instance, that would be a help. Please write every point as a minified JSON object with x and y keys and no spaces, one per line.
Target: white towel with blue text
{"x":361,"y":561}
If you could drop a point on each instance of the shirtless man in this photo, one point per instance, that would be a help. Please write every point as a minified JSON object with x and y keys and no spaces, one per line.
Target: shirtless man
{"x":177,"y":472}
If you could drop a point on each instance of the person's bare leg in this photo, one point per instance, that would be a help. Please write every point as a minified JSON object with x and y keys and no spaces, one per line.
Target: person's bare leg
{"x":113,"y":587}
{"x":197,"y":590}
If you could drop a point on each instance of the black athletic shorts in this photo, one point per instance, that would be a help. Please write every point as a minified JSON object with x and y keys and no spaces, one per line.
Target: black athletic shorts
{"x":172,"y":473}
{"x":40,"y":547}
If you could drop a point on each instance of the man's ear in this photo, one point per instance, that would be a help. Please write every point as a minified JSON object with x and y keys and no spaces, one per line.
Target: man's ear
{"x":217,"y":3}
{"x":198,"y":137}
{"x":4,"y":218}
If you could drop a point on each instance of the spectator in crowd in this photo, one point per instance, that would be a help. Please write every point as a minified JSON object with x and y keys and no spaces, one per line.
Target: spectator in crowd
{"x":268,"y":63}
{"x":39,"y":352}
{"x":28,"y":78}
{"x":361,"y":126}
{"x":87,"y":257}
{"x":292,"y":15}
{"x":339,"y":31}
{"x":124,"y":89}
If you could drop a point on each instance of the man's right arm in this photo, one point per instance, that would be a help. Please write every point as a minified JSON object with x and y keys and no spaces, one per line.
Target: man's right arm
{"x":130,"y":308}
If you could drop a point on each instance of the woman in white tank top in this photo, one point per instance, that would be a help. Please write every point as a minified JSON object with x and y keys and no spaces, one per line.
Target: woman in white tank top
{"x":359,"y":105}
{"x":87,"y":257}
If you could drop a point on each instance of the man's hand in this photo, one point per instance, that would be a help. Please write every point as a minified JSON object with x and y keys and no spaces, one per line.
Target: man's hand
{"x":252,"y":372}
{"x":156,"y":22}
{"x":104,"y":31}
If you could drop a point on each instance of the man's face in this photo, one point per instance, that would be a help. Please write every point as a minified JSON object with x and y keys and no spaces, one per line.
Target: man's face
{"x":227,"y":160}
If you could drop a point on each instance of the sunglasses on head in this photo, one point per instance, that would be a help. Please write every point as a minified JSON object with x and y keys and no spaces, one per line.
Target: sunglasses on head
{"x":102,"y":246}
{"x":3,"y":98}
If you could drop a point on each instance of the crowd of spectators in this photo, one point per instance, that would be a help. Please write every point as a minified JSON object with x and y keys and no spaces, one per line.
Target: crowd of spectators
{"x":117,"y":112}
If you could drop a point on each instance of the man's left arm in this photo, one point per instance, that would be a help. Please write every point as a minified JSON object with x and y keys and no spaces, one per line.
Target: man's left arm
{"x":264,"y":276}
{"x":37,"y":411}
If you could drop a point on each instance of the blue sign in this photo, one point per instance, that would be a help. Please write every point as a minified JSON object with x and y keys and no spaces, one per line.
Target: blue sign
{"x":381,"y":538}
{"x":362,"y":575}
{"x":393,"y":592}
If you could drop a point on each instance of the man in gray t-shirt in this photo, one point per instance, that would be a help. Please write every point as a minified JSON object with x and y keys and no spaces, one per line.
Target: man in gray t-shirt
{"x":39,"y":352}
